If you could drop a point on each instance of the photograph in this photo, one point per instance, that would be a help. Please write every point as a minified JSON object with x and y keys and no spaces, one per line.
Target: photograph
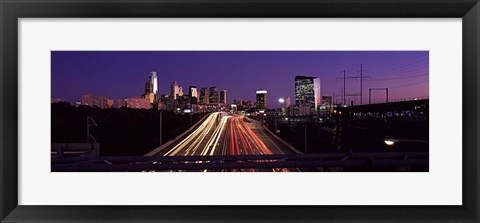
{"x":240,"y":111}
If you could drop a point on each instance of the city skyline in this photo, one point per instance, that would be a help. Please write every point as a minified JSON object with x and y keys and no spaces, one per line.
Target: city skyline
{"x":122,"y":74}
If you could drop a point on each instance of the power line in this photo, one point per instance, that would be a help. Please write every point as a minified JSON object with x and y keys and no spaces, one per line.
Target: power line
{"x":361,"y":77}
{"x":406,"y":66}
{"x":412,"y":84}
{"x":399,"y":78}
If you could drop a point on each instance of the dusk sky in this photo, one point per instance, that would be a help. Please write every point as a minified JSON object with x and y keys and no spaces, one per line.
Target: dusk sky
{"x":122,"y":74}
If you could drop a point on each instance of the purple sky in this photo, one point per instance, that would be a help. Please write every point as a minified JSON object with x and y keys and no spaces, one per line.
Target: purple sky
{"x":122,"y":74}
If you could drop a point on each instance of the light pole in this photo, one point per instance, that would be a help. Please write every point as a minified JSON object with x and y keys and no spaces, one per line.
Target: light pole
{"x":160,"y":126}
{"x":280,"y":100}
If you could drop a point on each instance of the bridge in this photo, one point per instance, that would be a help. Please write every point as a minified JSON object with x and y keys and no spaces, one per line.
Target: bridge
{"x":412,"y":108}
{"x":277,"y":162}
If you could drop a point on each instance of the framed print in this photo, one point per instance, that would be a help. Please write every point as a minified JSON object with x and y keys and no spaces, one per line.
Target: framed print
{"x":168,"y":111}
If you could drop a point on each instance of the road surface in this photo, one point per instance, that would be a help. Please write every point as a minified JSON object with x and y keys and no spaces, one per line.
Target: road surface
{"x":224,"y":134}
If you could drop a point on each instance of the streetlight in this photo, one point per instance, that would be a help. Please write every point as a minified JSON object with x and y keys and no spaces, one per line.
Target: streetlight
{"x":280,"y":100}
{"x":391,"y":141}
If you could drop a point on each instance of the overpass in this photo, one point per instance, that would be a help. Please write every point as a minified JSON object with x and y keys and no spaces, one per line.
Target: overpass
{"x":313,"y":162}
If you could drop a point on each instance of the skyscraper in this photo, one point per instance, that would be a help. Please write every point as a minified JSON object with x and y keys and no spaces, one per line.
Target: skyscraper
{"x":262,"y":99}
{"x":153,"y":79}
{"x":193,"y":93}
{"x":213,"y":96}
{"x":307,"y":92}
{"x":204,"y":96}
{"x":180,"y":91}
{"x":288,"y":102}
{"x":223,"y":97}
{"x":177,"y":90}
{"x":148,"y":87}
{"x":151,"y":88}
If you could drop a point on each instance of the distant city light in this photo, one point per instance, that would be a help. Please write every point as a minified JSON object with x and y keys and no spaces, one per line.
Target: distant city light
{"x":262,"y":92}
{"x":281,"y":100}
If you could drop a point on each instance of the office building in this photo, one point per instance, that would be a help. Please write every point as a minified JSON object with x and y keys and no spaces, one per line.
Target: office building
{"x":307,"y":92}
{"x":193,"y":93}
{"x":176,"y":90}
{"x":138,"y":103}
{"x":261,"y":99}
{"x":118,"y":103}
{"x":223,"y":97}
{"x":151,"y":88}
{"x":204,"y":96}
{"x":154,"y":82}
{"x":288,"y":102}
{"x":213,"y":96}
{"x":94,"y":101}
{"x":238,"y":102}
{"x":148,"y":87}
{"x":327,"y":100}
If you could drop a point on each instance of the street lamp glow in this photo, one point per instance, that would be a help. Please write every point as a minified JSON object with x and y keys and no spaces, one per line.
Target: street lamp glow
{"x":390,"y":142}
{"x":281,"y":100}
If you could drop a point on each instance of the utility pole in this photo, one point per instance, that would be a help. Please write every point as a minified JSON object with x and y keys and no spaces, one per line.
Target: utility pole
{"x":160,"y":126}
{"x":361,"y":84}
{"x":361,"y":77}
{"x":305,"y":136}
{"x":275,"y":122}
{"x":344,"y":86}
{"x":88,"y":129}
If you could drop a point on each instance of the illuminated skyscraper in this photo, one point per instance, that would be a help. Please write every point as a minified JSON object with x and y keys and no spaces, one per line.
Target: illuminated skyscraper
{"x":149,"y":95}
{"x":148,"y":87}
{"x":261,"y":99}
{"x":153,"y":79}
{"x":307,"y":92}
{"x":177,"y":90}
{"x":223,"y":97}
{"x":213,"y":96}
{"x":180,"y":91}
{"x":204,"y":96}
{"x":193,"y":93}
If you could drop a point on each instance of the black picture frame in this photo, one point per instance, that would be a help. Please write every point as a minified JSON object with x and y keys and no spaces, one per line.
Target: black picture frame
{"x":12,"y":10}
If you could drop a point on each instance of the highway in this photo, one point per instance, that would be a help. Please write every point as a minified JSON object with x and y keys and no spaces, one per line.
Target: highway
{"x":203,"y":141}
{"x":224,"y":134}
